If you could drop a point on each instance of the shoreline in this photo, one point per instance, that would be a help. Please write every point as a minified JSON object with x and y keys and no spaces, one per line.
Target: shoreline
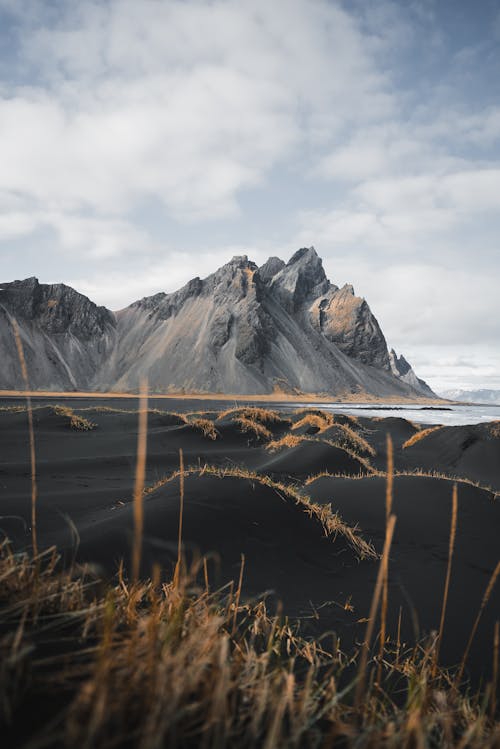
{"x":275,"y":397}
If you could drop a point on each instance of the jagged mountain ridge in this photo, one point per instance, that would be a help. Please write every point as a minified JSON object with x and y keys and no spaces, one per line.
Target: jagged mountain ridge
{"x":243,"y":329}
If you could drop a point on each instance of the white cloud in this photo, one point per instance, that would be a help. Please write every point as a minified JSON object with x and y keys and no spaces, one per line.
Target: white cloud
{"x":189,"y":102}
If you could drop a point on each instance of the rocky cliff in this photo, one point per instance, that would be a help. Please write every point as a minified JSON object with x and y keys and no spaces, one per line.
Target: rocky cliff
{"x":243,"y":329}
{"x":66,"y":337}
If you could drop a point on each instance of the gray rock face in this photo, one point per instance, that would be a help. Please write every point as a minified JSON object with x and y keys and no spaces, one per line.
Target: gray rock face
{"x":242,"y":329}
{"x":66,"y":337}
{"x":402,"y":369}
{"x":347,"y":321}
{"x":300,"y":281}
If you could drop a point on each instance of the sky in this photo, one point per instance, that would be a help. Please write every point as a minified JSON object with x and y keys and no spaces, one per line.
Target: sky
{"x":145,"y":143}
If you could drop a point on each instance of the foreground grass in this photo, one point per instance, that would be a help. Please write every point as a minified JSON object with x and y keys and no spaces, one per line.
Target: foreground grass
{"x":103,"y":664}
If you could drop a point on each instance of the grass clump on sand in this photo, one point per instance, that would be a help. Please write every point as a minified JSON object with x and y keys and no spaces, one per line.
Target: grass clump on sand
{"x":289,"y":440}
{"x":323,"y":420}
{"x":262,"y":415}
{"x":420,"y":436}
{"x":205,"y":426}
{"x":320,"y":421}
{"x":494,"y":429}
{"x":248,"y":425}
{"x":156,"y":664}
{"x":294,"y":440}
{"x":76,"y":422}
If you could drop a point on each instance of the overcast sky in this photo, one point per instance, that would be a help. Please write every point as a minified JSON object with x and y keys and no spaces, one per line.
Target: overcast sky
{"x":143,"y":142}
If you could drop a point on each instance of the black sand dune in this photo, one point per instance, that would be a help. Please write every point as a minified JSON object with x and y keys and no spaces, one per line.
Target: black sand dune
{"x":286,"y":550}
{"x":310,"y":457}
{"x":472,"y":452}
{"x":419,"y":552}
{"x":86,"y":480}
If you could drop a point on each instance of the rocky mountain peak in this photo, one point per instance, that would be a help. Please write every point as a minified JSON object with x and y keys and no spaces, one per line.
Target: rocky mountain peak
{"x":271,"y":267}
{"x":399,"y":365}
{"x":242,"y":329}
{"x":402,"y":369}
{"x":302,"y":279}
{"x":56,"y":308}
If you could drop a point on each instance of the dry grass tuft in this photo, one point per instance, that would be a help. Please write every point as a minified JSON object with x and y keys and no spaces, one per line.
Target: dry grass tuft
{"x":171,"y":663}
{"x":262,"y":415}
{"x":324,"y":420}
{"x":321,"y":420}
{"x":494,"y":429}
{"x":419,"y":436}
{"x":289,"y":440}
{"x":206,"y":427}
{"x":76,"y":422}
{"x":248,"y":425}
{"x":355,"y":440}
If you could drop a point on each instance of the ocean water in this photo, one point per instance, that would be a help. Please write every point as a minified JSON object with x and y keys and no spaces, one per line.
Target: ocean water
{"x":447,"y":415}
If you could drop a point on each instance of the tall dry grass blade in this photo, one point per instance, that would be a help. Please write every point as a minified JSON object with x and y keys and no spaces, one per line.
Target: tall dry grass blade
{"x":389,"y":487}
{"x":494,"y":678}
{"x":181,"y":517}
{"x":373,"y":611}
{"x":385,"y":592}
{"x":484,"y":603}
{"x":451,"y":548}
{"x":34,"y":488}
{"x":140,"y":474}
{"x":238,"y":593}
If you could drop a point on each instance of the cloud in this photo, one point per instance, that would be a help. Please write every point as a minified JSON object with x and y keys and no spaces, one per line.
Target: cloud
{"x":139,"y":142}
{"x":190,"y":102}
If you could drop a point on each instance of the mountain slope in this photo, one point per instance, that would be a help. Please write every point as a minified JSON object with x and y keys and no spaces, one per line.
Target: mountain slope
{"x":66,"y":337}
{"x":243,"y":329}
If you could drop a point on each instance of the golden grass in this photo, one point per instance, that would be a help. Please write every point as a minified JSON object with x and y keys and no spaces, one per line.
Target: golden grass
{"x":420,"y":436}
{"x":494,"y":429}
{"x":31,"y":433}
{"x":321,"y":420}
{"x":451,"y":548}
{"x":370,"y":626}
{"x":329,"y":475}
{"x":76,"y":422}
{"x":140,"y":474}
{"x":276,"y":396}
{"x":247,"y":425}
{"x":262,"y":415}
{"x":447,"y":477}
{"x":206,"y":427}
{"x":389,"y":498}
{"x":175,"y":664}
{"x":293,"y":440}
{"x":288,"y":440}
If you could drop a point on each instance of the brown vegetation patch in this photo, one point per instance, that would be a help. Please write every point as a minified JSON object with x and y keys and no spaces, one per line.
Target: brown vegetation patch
{"x":76,"y":422}
{"x":494,"y":429}
{"x":262,"y":415}
{"x":419,"y":436}
{"x":179,"y":665}
{"x":206,"y":427}
{"x":289,"y":440}
{"x":247,"y":425}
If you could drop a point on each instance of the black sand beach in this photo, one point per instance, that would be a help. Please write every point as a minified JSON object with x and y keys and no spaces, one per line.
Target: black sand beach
{"x":243,"y":490}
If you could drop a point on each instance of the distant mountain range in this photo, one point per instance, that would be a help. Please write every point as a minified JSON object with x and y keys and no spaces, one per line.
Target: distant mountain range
{"x":484,"y":395}
{"x":243,"y":329}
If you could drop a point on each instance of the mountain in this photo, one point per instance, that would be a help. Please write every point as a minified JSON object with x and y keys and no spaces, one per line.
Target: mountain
{"x":66,"y":337}
{"x":243,"y":329}
{"x":402,"y":369}
{"x":483,"y":395}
